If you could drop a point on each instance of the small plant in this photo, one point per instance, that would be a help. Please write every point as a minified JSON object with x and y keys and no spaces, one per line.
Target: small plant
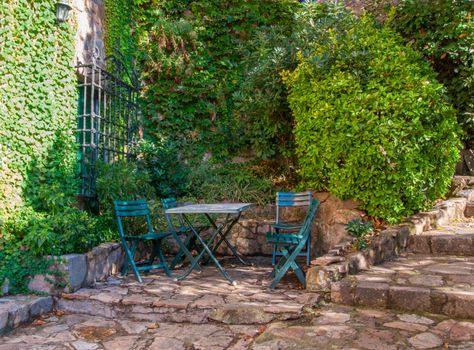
{"x":359,"y":229}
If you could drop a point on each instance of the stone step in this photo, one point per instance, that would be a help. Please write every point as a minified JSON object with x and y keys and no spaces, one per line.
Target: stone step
{"x":416,"y":283}
{"x":451,"y":239}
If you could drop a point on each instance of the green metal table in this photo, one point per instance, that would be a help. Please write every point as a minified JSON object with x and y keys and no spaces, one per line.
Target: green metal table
{"x":232,"y":213}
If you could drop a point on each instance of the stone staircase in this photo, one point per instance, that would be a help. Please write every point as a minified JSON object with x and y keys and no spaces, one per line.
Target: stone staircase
{"x":435,"y":275}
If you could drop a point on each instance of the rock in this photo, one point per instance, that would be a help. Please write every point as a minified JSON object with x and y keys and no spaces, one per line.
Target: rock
{"x":371,"y":294}
{"x":319,"y":278}
{"x":76,"y":269}
{"x":462,"y":331}
{"x":40,"y":306}
{"x":121,"y":343}
{"x":83,"y":345}
{"x":167,"y":343}
{"x":410,"y":327}
{"x":415,"y":319}
{"x":452,"y":245}
{"x":41,"y":283}
{"x":327,"y":260}
{"x":409,"y":298}
{"x":3,"y":321}
{"x":425,"y":340}
{"x":245,"y":313}
{"x":4,"y":289}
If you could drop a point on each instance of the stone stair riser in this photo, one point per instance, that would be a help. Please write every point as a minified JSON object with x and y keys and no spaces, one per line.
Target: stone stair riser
{"x":462,"y":245}
{"x":413,"y":299}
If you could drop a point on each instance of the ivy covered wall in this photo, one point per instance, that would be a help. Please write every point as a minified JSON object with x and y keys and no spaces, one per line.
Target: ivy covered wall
{"x":38,"y":100}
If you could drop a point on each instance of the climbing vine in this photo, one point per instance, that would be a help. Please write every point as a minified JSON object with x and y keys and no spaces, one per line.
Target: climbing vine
{"x":118,"y":33}
{"x":37,"y":100}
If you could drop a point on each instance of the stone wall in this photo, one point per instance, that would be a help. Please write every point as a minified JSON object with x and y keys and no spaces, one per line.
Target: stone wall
{"x":248,"y":235}
{"x":90,"y":18}
{"x":81,"y":270}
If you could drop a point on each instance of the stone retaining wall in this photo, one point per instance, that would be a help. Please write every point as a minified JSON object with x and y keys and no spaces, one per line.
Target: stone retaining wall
{"x":20,"y":309}
{"x":81,"y":270}
{"x":248,"y":235}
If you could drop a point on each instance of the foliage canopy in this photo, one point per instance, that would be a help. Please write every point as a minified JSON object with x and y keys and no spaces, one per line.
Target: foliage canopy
{"x":443,"y":31}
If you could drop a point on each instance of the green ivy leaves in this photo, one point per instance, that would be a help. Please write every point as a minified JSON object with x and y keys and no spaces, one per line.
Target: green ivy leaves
{"x":37,"y":96}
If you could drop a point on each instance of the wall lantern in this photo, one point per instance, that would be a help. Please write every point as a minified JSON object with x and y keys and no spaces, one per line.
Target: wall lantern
{"x":62,"y":10}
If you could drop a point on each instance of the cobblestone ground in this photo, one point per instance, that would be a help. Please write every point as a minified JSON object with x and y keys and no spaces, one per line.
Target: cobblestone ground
{"x":205,"y":312}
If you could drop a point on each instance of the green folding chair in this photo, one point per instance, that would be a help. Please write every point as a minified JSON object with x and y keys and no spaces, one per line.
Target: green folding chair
{"x":177,"y":223}
{"x":290,"y":246}
{"x":137,"y":209}
{"x":291,"y":200}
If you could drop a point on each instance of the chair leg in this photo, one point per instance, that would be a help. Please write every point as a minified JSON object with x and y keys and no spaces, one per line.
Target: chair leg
{"x":132,"y":248}
{"x":277,"y":267}
{"x":162,"y":258}
{"x":289,"y":262}
{"x":295,"y":267}
{"x":131,"y":262}
{"x":308,"y":251}
{"x":274,"y":254}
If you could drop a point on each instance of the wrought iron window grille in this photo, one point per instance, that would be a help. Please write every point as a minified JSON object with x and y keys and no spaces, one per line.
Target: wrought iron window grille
{"x":108,"y":116}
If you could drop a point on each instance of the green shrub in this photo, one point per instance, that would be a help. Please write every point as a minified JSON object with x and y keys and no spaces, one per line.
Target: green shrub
{"x":190,"y":55}
{"x":372,"y":122}
{"x":233,"y":183}
{"x":122,"y":181}
{"x":19,"y":265}
{"x":443,"y":31}
{"x":360,"y":230}
{"x":169,"y":175}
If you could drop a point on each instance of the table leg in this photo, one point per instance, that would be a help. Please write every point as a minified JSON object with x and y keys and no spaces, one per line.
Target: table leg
{"x":183,"y":249}
{"x":206,"y":248}
{"x":223,"y":238}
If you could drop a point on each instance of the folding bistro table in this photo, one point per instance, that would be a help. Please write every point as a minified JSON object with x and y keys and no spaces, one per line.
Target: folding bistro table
{"x":232,"y":212}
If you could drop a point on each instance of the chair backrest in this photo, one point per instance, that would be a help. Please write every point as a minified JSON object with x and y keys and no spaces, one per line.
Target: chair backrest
{"x":292,"y":199}
{"x":169,"y":203}
{"x":134,"y":208}
{"x":305,"y":230}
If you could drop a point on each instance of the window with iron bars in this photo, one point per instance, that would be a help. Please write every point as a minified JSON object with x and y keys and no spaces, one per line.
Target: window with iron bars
{"x":107,"y":120}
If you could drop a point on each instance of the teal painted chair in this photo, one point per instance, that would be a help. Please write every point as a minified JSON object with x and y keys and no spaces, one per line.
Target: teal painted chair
{"x":139,"y":209}
{"x":291,"y":200}
{"x":177,"y":223}
{"x":290,"y":245}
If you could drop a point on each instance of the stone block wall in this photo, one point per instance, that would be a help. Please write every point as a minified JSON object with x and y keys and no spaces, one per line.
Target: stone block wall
{"x":81,"y":270}
{"x":90,"y":18}
{"x":248,"y":235}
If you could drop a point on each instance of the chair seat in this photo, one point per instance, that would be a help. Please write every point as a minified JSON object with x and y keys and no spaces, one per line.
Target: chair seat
{"x":186,"y":229}
{"x":149,"y":236}
{"x":286,"y":226}
{"x":283,"y":238}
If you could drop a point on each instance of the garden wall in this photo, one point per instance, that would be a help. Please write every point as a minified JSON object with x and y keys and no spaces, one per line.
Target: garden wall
{"x":81,"y":270}
{"x":90,"y":16}
{"x":328,"y":230}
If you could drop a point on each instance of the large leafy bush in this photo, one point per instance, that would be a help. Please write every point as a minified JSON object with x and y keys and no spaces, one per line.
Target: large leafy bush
{"x":372,"y":122}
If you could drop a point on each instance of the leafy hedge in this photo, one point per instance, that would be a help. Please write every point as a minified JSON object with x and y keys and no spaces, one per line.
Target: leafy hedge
{"x":372,"y":122}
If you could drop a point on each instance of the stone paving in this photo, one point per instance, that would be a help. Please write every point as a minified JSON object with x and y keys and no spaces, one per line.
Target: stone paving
{"x":205,"y":312}
{"x":326,"y":327}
